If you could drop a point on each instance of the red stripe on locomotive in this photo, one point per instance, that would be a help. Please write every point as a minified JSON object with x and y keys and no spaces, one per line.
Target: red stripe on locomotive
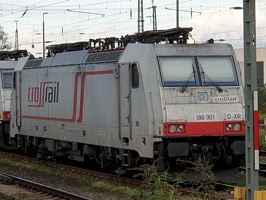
{"x":202,"y":128}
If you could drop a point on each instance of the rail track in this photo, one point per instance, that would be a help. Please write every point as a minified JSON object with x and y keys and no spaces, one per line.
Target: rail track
{"x":262,"y":169}
{"x":223,"y":191}
{"x":33,"y":190}
{"x":78,"y":172}
{"x":67,"y":177}
{"x":38,"y":189}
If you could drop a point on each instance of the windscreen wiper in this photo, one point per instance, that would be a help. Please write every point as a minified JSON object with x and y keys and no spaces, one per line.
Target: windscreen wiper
{"x":188,"y":80}
{"x":210,"y":80}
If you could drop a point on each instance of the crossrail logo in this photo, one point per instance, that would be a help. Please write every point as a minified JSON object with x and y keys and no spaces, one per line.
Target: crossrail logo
{"x":47,"y":92}
{"x":226,"y":99}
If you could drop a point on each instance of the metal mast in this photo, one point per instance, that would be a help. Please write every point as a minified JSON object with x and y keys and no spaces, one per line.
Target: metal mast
{"x":16,"y":36}
{"x":177,"y":13}
{"x":251,"y":99}
{"x":140,"y":16}
{"x":154,"y":18}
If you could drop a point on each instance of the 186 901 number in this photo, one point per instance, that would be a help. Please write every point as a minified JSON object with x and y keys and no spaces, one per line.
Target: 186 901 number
{"x":207,"y":117}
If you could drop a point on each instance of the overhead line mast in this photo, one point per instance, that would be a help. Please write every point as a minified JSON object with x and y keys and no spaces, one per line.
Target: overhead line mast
{"x":251,"y":99}
{"x":154,"y":18}
{"x":16,"y":37}
{"x":140,"y":17}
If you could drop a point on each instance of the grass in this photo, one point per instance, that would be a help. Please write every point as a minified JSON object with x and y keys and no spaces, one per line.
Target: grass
{"x":33,"y":167}
{"x":157,"y":186}
{"x":7,"y":197}
{"x":87,"y":185}
{"x":240,"y":181}
{"x":26,"y":166}
{"x":114,"y":189}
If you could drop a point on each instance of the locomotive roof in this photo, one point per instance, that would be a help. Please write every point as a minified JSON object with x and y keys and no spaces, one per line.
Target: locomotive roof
{"x":114,"y":56}
{"x":174,"y":35}
{"x":14,"y":55}
{"x":111,"y":49}
{"x":105,"y":50}
{"x":75,"y":58}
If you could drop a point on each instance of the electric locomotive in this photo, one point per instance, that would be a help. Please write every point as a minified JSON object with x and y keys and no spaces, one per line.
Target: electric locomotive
{"x":8,"y":61}
{"x":120,"y":103}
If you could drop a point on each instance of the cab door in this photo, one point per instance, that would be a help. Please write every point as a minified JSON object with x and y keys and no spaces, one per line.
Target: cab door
{"x":125,"y":113}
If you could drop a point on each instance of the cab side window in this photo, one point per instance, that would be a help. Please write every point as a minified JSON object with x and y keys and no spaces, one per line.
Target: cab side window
{"x":134,"y":76}
{"x":7,"y":78}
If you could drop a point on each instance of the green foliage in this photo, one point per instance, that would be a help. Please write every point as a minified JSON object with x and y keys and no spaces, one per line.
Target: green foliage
{"x":7,"y":197}
{"x":3,"y":39}
{"x":31,"y":166}
{"x":262,"y":101}
{"x":161,"y":185}
{"x":92,"y":185}
{"x":262,"y":113}
{"x":262,"y":140}
{"x":204,"y":184}
{"x":158,"y":183}
{"x":124,"y":191}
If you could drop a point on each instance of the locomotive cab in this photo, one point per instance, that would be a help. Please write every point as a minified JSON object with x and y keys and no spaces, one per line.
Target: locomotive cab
{"x":6,"y":75}
{"x":190,"y":102}
{"x":204,"y":108}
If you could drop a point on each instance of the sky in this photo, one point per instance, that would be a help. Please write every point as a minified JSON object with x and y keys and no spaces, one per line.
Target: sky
{"x":67,"y":21}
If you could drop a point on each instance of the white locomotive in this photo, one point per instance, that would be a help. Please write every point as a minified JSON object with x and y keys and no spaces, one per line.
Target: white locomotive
{"x":8,"y":61}
{"x":122,"y":107}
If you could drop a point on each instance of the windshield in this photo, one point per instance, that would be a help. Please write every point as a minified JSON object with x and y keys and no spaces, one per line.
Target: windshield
{"x":7,"y":76}
{"x":177,"y":70}
{"x":218,"y":70}
{"x":202,"y":70}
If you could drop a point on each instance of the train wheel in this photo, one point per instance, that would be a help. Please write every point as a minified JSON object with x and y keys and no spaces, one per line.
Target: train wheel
{"x":4,"y":135}
{"x":42,"y":152}
{"x":1,"y":134}
{"x":102,"y":156}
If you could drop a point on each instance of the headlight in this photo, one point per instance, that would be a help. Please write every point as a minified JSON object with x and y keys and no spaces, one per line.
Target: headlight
{"x":202,"y":96}
{"x":180,"y":128}
{"x":233,"y":127}
{"x":172,"y":128}
{"x":8,"y":115}
{"x":237,"y":127}
{"x":229,"y":127}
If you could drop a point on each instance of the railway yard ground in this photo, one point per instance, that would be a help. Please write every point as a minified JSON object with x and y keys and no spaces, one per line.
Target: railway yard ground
{"x":57,"y":178}
{"x":103,"y":188}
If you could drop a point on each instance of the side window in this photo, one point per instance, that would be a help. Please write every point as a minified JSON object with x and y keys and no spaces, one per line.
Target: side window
{"x":134,"y":76}
{"x":7,"y":79}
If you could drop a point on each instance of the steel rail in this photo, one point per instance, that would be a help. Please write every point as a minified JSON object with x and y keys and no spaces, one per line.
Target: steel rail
{"x":42,"y":187}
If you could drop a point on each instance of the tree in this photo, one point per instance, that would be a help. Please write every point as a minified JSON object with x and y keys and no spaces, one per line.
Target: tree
{"x":262,"y":101}
{"x":3,"y":39}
